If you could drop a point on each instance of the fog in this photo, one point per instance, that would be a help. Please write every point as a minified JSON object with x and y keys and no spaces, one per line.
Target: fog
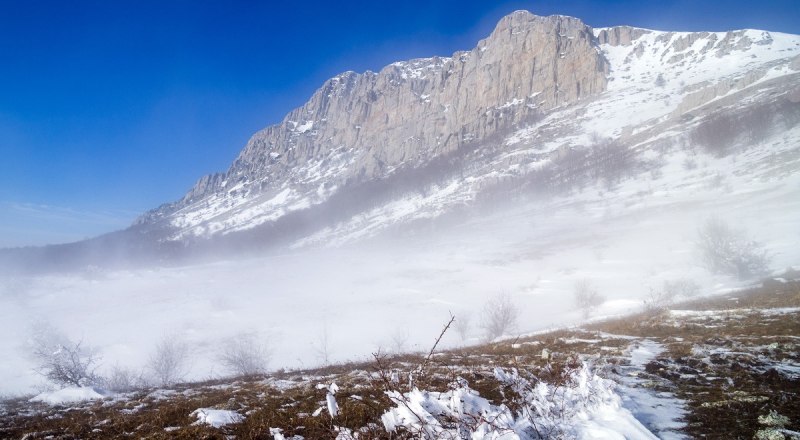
{"x":395,"y":291}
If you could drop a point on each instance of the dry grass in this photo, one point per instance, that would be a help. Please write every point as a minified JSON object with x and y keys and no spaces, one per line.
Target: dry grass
{"x":722,"y":365}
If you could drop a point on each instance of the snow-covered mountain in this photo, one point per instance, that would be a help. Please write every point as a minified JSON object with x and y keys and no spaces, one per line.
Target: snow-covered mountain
{"x":549,"y":156}
{"x":543,"y":103}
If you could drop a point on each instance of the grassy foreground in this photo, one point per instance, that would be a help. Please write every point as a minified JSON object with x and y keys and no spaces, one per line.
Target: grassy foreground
{"x":728,"y":359}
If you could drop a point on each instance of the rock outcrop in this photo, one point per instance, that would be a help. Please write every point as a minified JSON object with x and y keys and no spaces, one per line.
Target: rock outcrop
{"x":369,"y":124}
{"x":620,"y":35}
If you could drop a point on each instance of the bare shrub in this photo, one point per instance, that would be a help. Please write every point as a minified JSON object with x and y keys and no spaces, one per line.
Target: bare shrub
{"x":169,"y":362}
{"x":122,"y":380}
{"x":322,"y":347}
{"x":717,"y":134}
{"x":721,"y":132}
{"x":499,"y":316}
{"x":245,"y":355}
{"x":681,"y":287}
{"x":463,"y":325}
{"x":658,"y":301}
{"x":400,"y":339}
{"x":730,"y":251}
{"x":586,"y":297}
{"x":610,"y":162}
{"x":61,"y":360}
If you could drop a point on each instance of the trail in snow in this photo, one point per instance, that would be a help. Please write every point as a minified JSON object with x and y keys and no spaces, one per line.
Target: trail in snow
{"x":659,"y":411}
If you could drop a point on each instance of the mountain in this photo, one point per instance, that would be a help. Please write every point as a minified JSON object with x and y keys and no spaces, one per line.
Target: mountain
{"x":362,"y":127}
{"x":566,"y":172}
{"x":534,"y":90}
{"x":541,"y":107}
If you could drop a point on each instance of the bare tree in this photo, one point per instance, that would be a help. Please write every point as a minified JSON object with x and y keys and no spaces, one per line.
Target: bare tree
{"x":322,"y":347}
{"x":499,"y":316}
{"x":245,"y":355}
{"x":728,"y":250}
{"x":168,"y":363}
{"x":400,"y":339}
{"x":586,"y":297}
{"x":61,"y":360}
{"x":462,"y":325}
{"x":681,"y":287}
{"x":658,"y":301}
{"x":122,"y":380}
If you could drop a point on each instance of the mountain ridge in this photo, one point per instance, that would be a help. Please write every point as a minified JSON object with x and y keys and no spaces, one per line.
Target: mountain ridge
{"x":365,"y":127}
{"x":409,"y":86}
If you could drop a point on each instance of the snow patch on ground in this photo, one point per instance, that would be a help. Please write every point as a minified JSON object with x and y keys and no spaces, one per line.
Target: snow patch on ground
{"x":216,"y":417}
{"x":68,"y":395}
{"x":661,"y":412}
{"x":587,"y":407}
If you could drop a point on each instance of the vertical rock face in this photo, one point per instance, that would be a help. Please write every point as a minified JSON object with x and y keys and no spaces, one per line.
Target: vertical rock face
{"x":363,"y":126}
{"x":620,"y":35}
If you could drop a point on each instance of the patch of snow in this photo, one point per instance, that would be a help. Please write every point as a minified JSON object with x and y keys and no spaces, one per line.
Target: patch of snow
{"x":69,"y":395}
{"x":306,"y":126}
{"x":660,"y":412}
{"x":588,"y":408}
{"x":216,"y":417}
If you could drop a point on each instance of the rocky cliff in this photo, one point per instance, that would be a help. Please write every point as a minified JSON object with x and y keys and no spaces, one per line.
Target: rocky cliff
{"x":529,"y":95}
{"x":359,"y":127}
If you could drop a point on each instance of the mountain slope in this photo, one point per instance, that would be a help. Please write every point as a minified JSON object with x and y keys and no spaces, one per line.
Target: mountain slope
{"x":361,"y":127}
{"x":421,"y":138}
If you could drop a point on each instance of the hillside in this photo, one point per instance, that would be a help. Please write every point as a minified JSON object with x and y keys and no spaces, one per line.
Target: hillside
{"x":576,"y":175}
{"x":712,"y":367}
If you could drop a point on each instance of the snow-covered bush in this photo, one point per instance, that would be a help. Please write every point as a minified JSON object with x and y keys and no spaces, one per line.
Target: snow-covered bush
{"x":584,"y":404}
{"x":730,"y":251}
{"x":168,"y":363}
{"x":499,"y":316}
{"x":245,"y":355}
{"x":61,"y":360}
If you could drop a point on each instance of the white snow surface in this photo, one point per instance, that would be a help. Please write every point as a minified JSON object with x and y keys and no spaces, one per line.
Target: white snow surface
{"x":216,"y":417}
{"x":586,"y":408}
{"x":68,"y":395}
{"x":660,"y":412}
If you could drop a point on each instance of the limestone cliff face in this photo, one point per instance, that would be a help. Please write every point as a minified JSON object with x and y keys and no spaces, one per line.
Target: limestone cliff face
{"x":363,"y":126}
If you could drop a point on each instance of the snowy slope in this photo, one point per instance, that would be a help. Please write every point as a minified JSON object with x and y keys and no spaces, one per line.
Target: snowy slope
{"x":662,"y":75}
{"x":637,"y":110}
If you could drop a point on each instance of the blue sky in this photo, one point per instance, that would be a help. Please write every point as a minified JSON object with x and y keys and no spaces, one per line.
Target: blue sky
{"x":109,"y":108}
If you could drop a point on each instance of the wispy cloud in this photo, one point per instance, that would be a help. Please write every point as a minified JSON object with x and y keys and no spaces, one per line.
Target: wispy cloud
{"x":24,"y":223}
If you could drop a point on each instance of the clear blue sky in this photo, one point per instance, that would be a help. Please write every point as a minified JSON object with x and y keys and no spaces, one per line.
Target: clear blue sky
{"x":109,"y":108}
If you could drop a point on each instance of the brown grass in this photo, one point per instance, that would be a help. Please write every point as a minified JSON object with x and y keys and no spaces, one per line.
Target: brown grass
{"x":725,"y":391}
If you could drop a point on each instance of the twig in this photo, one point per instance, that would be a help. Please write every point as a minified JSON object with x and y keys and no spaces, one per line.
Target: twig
{"x":424,"y":365}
